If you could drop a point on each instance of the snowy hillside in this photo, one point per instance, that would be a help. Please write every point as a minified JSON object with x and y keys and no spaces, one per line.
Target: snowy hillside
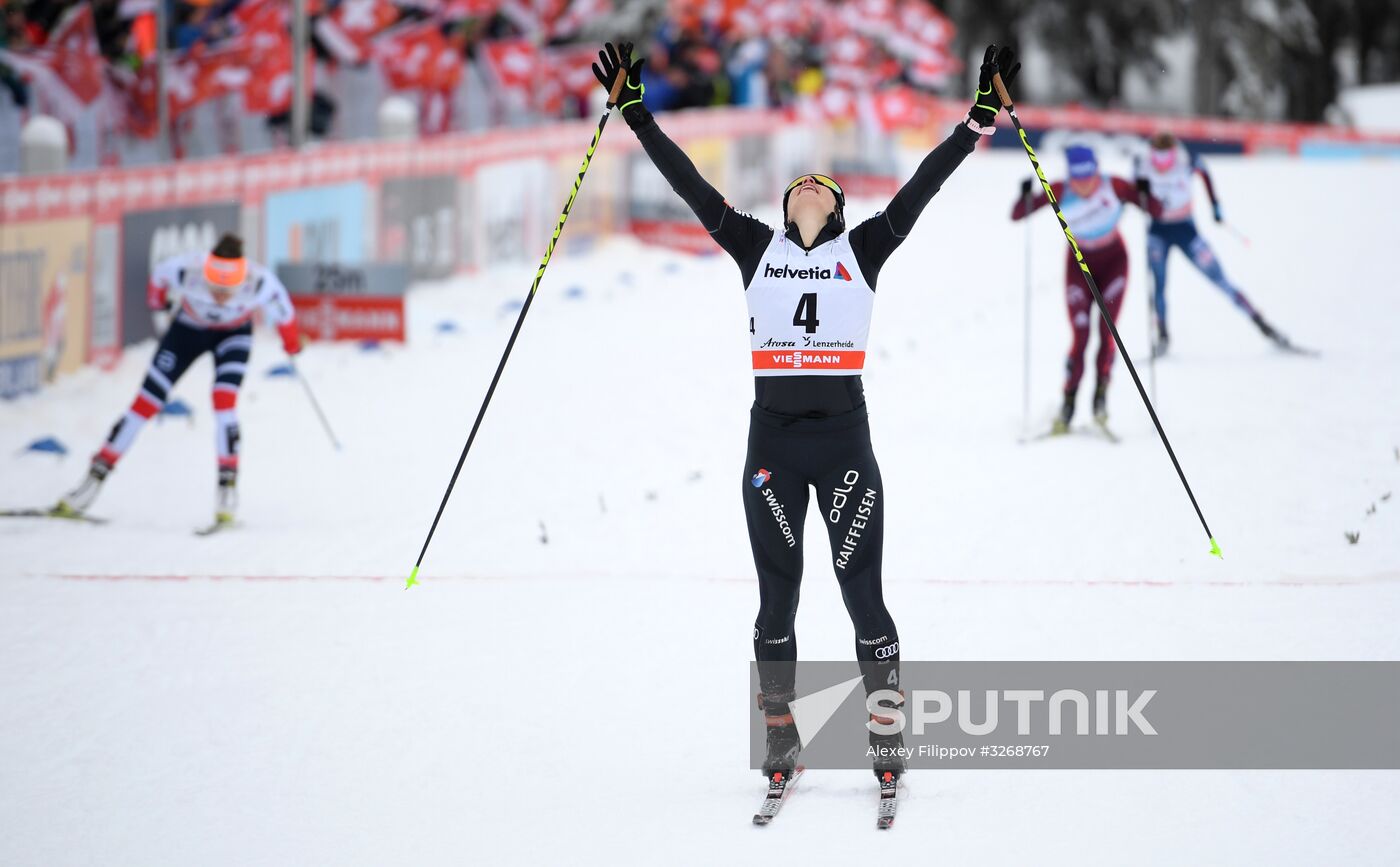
{"x":583,"y":624}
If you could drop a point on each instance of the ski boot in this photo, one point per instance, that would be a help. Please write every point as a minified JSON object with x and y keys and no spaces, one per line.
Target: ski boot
{"x":1101,"y":404}
{"x":888,"y":749}
{"x":1272,"y":333}
{"x":890,"y":761}
{"x":1161,"y":344}
{"x":76,"y":502}
{"x":227,"y":498}
{"x":1061,"y":425}
{"x":783,"y":742}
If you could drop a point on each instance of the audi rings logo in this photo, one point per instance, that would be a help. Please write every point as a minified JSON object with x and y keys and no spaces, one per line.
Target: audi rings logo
{"x":887,"y":651}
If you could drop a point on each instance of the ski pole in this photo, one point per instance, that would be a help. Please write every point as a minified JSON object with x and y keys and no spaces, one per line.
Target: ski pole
{"x":1098,"y":299}
{"x":292,"y":362}
{"x":1239,"y":236}
{"x":1152,"y":339}
{"x":1026,"y":334}
{"x":520,"y":320}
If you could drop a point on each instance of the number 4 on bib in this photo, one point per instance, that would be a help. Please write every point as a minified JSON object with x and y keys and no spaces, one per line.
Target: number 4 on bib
{"x":806,"y":314}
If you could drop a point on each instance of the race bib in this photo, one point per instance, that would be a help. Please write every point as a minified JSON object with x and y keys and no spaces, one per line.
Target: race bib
{"x":809,"y":312}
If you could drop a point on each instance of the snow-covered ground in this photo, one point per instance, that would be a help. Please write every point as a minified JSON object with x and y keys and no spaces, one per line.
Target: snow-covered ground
{"x":274,"y":696}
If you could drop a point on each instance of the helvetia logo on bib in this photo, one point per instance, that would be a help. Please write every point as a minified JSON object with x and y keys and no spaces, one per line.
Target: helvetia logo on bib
{"x":760,"y":478}
{"x":783,"y":272}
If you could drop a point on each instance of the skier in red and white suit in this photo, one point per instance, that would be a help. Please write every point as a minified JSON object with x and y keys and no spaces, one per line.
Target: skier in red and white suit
{"x":1092,"y":205}
{"x":213,"y":297}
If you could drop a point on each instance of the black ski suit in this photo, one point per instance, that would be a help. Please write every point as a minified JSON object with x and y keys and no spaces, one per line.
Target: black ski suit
{"x":811,"y":431}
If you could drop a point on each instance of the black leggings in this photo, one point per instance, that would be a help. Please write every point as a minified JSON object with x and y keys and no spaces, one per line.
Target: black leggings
{"x":834,"y":456}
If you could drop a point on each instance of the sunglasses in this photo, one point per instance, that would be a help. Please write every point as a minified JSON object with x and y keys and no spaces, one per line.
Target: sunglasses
{"x":821,"y":179}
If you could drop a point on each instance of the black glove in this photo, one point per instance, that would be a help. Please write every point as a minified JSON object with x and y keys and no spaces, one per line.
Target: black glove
{"x":612,"y":60}
{"x":1144,"y":191}
{"x":1026,"y":189}
{"x":986,"y":104}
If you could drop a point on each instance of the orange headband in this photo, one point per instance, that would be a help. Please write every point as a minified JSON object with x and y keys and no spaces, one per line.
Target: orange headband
{"x":225,"y":273}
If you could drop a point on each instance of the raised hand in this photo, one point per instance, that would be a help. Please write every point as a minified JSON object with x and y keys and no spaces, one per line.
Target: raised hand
{"x":613,"y":59}
{"x":986,"y":104}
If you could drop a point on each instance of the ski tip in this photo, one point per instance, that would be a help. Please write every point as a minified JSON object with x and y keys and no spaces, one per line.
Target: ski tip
{"x":1215,"y":549}
{"x":412,"y":578}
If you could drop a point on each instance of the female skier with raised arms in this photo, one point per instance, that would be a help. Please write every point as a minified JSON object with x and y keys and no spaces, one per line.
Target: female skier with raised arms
{"x":810,"y":289}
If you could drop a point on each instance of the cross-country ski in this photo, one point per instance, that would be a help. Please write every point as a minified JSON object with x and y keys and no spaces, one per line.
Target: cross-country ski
{"x":780,"y":787}
{"x":56,"y":513}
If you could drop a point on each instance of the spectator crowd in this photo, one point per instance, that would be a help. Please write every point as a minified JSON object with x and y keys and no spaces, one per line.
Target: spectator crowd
{"x":530,"y":57}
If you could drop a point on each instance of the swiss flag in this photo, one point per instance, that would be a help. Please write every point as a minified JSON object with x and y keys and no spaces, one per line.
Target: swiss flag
{"x":456,"y":10}
{"x":897,"y":107}
{"x":573,"y":66}
{"x":569,"y":18}
{"x":347,"y":31}
{"x":266,"y":47}
{"x":74,"y":54}
{"x":139,"y":87}
{"x":534,"y":18}
{"x":205,"y":74}
{"x":515,"y":63}
{"x":417,"y":57}
{"x":199,"y":76}
{"x":923,"y":39}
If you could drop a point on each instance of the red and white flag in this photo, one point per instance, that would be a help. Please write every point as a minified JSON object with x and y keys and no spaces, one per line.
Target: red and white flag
{"x":417,"y":57}
{"x":457,"y":10}
{"x":68,"y":73}
{"x":514,"y":63}
{"x":75,"y":53}
{"x":902,"y":107}
{"x":347,"y":32}
{"x":265,"y":45}
{"x":204,"y":74}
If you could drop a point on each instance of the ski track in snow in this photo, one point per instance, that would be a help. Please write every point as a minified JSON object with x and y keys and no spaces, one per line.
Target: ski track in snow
{"x":272,"y":696}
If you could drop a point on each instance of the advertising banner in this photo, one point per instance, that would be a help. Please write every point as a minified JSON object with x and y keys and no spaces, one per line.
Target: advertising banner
{"x":657,"y":215}
{"x":150,"y":236}
{"x":506,"y":221}
{"x":316,"y":224}
{"x":373,"y":278}
{"x":350,"y":317}
{"x":592,"y":212}
{"x":418,"y":224}
{"x":751,"y":182}
{"x":105,"y":330}
{"x":43,"y":302}
{"x":468,"y":251}
{"x":21,"y":322}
